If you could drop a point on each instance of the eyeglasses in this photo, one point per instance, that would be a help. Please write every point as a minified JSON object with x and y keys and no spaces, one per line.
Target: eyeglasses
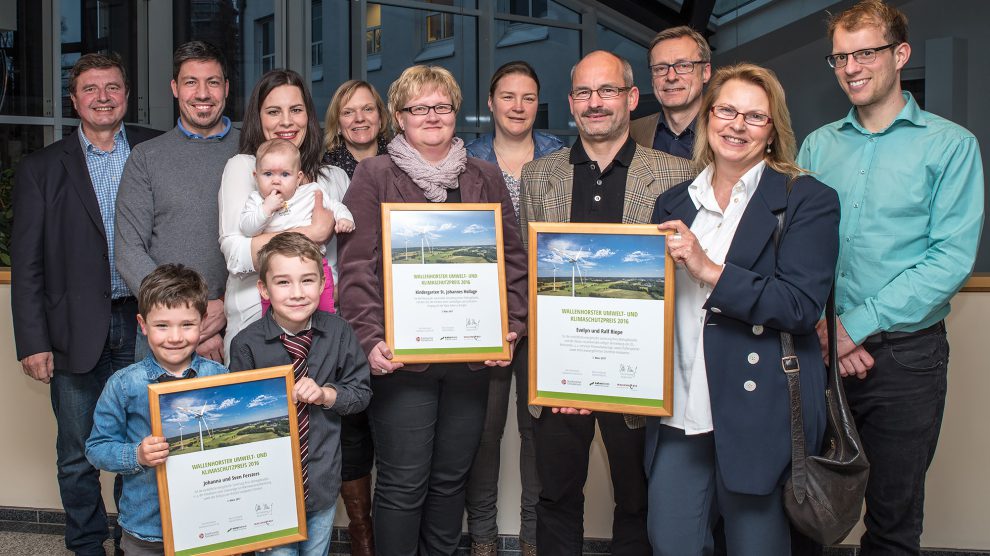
{"x":865,"y":56}
{"x":680,"y":68}
{"x":757,"y":119}
{"x":422,"y":110}
{"x":603,"y":92}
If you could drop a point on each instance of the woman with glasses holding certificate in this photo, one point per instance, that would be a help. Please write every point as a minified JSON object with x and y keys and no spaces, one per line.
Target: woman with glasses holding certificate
{"x":426,"y":419}
{"x":726,"y":450}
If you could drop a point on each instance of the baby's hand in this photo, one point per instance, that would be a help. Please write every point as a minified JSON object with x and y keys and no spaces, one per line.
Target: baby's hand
{"x":152,"y":451}
{"x":343,"y":226}
{"x":272,"y":203}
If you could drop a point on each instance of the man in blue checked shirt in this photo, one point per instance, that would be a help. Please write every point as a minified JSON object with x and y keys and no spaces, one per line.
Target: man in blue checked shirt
{"x":911,"y":186}
{"x":74,"y":318}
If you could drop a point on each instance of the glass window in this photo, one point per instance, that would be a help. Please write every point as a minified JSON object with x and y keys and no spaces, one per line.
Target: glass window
{"x":542,"y":116}
{"x":266,"y":43}
{"x":405,"y":47}
{"x":243,"y":31}
{"x":22,"y":63}
{"x":316,"y":54}
{"x":373,"y":33}
{"x":635,"y":54}
{"x":552,"y":58}
{"x":531,"y":8}
{"x":101,"y":26}
{"x":545,"y":9}
{"x":439,"y":25}
{"x":19,"y":141}
{"x":335,"y":33}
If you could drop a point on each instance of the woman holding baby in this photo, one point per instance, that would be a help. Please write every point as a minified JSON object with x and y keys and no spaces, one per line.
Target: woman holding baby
{"x":288,"y":185}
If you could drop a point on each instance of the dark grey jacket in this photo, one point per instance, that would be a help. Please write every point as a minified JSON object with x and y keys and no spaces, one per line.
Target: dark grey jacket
{"x":335,"y":359}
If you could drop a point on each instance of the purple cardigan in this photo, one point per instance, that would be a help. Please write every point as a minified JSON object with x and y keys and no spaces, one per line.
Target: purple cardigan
{"x":378,"y":180}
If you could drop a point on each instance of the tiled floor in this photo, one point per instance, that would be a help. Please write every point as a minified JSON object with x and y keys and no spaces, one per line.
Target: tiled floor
{"x":25,"y":542}
{"x":36,"y":544}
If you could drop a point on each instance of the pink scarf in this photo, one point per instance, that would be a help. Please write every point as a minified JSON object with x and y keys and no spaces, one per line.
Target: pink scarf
{"x":433,"y":180}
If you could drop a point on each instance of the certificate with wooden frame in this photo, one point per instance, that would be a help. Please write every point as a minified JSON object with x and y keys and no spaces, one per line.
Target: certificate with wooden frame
{"x":444,"y":273}
{"x":601,"y":317}
{"x":232,"y":481}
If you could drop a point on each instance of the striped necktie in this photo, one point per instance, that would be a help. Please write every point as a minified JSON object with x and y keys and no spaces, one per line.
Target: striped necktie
{"x":298,"y":348}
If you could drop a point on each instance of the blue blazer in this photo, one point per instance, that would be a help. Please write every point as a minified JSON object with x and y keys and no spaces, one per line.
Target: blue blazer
{"x":760,"y":293}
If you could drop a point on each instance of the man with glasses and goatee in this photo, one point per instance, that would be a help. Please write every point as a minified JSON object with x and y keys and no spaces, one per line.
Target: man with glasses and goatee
{"x":605,"y":177}
{"x":911,"y":188}
{"x":680,"y":66}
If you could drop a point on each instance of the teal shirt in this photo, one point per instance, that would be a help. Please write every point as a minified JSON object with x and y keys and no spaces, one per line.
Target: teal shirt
{"x":912,"y":214}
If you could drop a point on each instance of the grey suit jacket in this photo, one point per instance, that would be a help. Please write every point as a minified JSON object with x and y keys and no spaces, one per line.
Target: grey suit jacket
{"x":642,"y":130}
{"x":548,"y":183}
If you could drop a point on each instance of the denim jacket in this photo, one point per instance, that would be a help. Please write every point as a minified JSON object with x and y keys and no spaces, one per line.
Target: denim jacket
{"x":120,"y":423}
{"x":543,"y":143}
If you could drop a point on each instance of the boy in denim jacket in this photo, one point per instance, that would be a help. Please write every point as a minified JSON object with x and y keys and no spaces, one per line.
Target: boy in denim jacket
{"x":171,"y":306}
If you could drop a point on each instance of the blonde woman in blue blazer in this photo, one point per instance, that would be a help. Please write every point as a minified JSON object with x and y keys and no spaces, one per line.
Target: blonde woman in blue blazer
{"x":726,"y":450}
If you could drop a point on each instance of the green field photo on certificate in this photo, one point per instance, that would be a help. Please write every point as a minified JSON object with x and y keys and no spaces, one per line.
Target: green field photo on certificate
{"x":616,"y":266}
{"x":450,"y":237}
{"x":228,"y":415}
{"x":600,"y":325}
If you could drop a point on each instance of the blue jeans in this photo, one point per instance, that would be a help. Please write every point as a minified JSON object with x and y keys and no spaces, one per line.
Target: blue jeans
{"x":898,"y":409}
{"x":74,"y":397}
{"x":319,"y":526}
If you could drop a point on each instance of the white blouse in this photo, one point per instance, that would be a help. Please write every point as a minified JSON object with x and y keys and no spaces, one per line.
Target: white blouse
{"x":715,"y":229}
{"x":242,"y":302}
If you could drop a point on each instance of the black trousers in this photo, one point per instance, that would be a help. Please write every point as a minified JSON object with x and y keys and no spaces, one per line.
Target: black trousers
{"x":898,"y":409}
{"x":357,"y":447}
{"x":427,"y":427}
{"x":562,"y":444}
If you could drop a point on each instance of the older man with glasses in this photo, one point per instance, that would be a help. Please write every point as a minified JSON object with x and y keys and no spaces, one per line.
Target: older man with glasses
{"x":680,"y":66}
{"x":911,"y":187}
{"x":605,"y":177}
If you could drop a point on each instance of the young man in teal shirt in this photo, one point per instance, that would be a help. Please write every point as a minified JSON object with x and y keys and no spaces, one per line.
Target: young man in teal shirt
{"x":911,"y":187}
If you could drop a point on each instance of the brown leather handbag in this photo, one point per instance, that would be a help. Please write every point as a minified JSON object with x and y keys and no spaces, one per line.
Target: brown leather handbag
{"x":824,"y":495}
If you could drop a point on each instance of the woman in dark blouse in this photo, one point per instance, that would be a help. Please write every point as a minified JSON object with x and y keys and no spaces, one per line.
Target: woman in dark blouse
{"x":355,"y":131}
{"x":354,"y":124}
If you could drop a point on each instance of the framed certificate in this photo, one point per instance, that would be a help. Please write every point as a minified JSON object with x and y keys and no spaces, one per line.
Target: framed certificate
{"x":444,"y":271}
{"x":232,"y":481}
{"x":600,"y":326}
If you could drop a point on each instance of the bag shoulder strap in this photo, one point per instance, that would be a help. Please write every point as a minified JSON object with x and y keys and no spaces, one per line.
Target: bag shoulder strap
{"x":792,"y":368}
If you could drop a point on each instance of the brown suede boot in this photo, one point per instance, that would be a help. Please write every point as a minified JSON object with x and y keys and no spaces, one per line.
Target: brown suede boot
{"x":357,"y":502}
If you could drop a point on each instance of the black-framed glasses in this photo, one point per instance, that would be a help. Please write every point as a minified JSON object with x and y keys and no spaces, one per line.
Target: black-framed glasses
{"x":865,"y":56}
{"x":603,"y":92}
{"x":758,"y":119}
{"x":680,"y":68}
{"x":422,"y":109}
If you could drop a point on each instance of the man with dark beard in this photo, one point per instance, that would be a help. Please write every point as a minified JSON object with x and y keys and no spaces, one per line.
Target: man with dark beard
{"x":167,"y":207}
